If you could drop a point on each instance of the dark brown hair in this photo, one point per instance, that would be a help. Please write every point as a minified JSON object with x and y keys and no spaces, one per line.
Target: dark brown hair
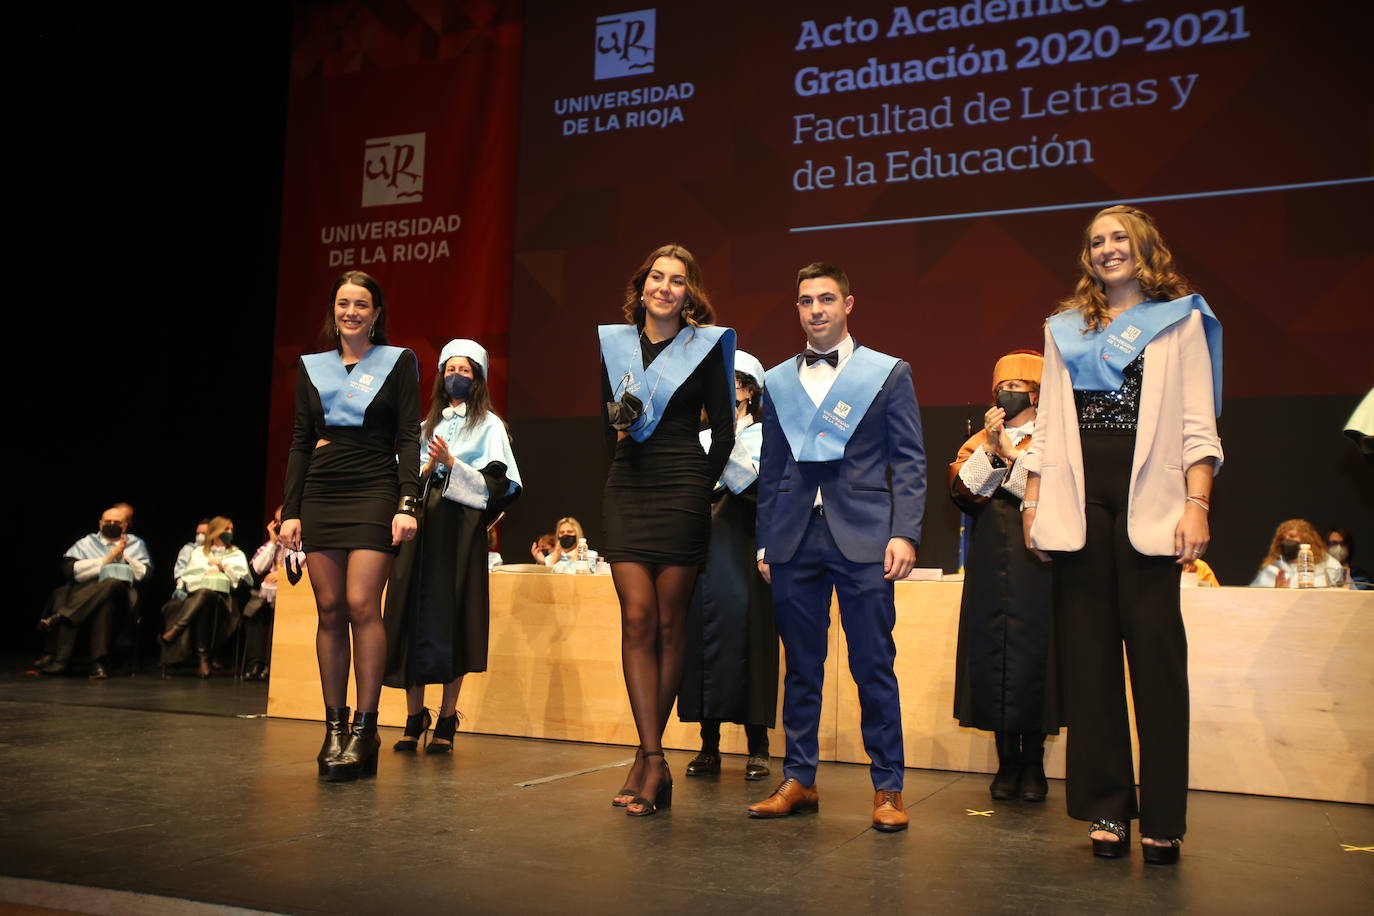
{"x":752,"y":389}
{"x":696,"y":307}
{"x":818,"y":269}
{"x":329,"y":333}
{"x":478,"y":400}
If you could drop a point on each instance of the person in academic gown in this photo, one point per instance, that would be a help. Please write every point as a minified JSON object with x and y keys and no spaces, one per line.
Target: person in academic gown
{"x":209,"y":614}
{"x":1118,"y":492}
{"x":660,"y":369}
{"x":731,"y":672}
{"x":352,"y":488}
{"x":1003,"y":672}
{"x":437,"y":610}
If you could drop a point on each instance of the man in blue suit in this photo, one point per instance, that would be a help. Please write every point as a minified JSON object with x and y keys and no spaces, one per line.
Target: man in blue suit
{"x":842,"y":481}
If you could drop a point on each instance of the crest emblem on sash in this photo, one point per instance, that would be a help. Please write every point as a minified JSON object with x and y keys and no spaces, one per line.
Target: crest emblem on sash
{"x":1131,"y":333}
{"x":842,"y":409}
{"x":366,"y":379}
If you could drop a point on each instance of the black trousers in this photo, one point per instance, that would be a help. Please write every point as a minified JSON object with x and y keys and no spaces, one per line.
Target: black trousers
{"x":257,"y":627}
{"x":1105,"y":594}
{"x":97,"y":602}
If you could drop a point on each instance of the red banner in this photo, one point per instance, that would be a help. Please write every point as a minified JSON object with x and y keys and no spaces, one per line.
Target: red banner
{"x":400,"y":161}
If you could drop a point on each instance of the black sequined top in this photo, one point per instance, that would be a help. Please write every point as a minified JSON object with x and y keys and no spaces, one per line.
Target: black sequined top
{"x":1113,"y":409}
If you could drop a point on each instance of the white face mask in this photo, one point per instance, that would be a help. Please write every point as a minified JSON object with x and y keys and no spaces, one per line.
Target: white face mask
{"x":1339,"y":552}
{"x":200,"y":538}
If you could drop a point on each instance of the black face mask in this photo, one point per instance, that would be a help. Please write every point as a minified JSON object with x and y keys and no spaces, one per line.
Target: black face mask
{"x":1013,"y":402}
{"x":457,"y":386}
{"x":227,"y":539}
{"x":1289,"y":549}
{"x":567,"y":541}
{"x":111,"y":532}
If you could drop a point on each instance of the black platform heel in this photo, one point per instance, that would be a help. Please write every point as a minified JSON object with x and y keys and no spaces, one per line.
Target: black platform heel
{"x":414,"y":735}
{"x":1162,"y":855}
{"x":444,"y":729}
{"x":1109,"y":849}
{"x":335,"y":736}
{"x":663,"y":798}
{"x":359,"y":756}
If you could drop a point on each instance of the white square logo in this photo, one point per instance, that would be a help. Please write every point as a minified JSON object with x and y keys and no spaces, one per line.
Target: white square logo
{"x":394,"y":170}
{"x":625,"y":44}
{"x":842,"y":409}
{"x":1131,"y":333}
{"x":365,"y":380}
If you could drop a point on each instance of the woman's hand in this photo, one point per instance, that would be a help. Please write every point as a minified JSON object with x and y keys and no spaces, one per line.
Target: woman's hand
{"x":536,"y":552}
{"x":994,"y":426}
{"x":403,"y":528}
{"x":1027,"y":521}
{"x":438,"y":452}
{"x":290,"y":533}
{"x":1192,"y":535}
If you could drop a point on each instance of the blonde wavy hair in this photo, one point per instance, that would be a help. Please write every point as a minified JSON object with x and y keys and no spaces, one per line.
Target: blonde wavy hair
{"x":1306,"y":535}
{"x":696,"y":306}
{"x":216,"y":526}
{"x":1154,"y":268}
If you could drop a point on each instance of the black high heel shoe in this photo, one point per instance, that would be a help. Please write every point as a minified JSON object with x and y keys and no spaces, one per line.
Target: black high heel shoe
{"x":1161,"y":855}
{"x":359,"y":756}
{"x":414,"y":735}
{"x":663,"y":798}
{"x":627,"y":791}
{"x":335,"y":736}
{"x":1111,"y":849}
{"x":444,"y":729}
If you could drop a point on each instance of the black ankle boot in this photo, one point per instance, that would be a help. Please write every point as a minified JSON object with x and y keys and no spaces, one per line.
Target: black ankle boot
{"x":335,"y":736}
{"x":1008,"y":766}
{"x":359,"y":756}
{"x":1033,"y":786}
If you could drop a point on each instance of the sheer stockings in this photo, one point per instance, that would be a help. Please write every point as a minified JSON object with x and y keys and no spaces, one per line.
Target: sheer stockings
{"x":348,"y":593}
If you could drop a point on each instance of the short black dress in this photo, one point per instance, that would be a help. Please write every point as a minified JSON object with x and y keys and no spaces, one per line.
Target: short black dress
{"x":346,"y":493}
{"x":657,"y":502}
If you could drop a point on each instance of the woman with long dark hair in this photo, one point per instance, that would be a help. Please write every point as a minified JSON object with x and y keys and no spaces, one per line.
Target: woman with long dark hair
{"x":1118,"y":493}
{"x":660,"y":369}
{"x":437,"y":611}
{"x":352,"y":485}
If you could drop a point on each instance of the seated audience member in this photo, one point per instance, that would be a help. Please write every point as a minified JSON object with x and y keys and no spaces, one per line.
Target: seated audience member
{"x":493,"y":555}
{"x":542,"y":547}
{"x":563,"y":555}
{"x":268,"y":562}
{"x":206,"y":616}
{"x":1205,"y":577}
{"x":184,"y":557}
{"x":101,"y":570}
{"x":1279,"y":569}
{"x":1340,"y":546}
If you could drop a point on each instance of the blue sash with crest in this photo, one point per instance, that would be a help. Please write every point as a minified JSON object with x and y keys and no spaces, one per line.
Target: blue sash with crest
{"x":1096,"y":359}
{"x":821,"y":433}
{"x":654,"y":384}
{"x":345,"y":396}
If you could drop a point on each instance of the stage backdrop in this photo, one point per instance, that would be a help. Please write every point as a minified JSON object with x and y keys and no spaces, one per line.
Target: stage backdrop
{"x":400,"y":161}
{"x":948,"y":157}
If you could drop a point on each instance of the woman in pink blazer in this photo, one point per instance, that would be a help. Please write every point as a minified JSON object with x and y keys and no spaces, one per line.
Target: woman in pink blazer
{"x":1118,"y":493}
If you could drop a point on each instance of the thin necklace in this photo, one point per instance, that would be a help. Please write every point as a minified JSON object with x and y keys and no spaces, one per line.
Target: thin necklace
{"x":671,"y":341}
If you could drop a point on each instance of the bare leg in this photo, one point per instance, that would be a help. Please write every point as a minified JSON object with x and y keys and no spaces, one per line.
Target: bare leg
{"x":639,"y":617}
{"x":367,"y":574}
{"x":327,"y":576}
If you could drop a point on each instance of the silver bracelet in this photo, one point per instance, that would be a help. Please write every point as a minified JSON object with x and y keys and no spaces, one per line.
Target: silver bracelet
{"x":1195,"y":501}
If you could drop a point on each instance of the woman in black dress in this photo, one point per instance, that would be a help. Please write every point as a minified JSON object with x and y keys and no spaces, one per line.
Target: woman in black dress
{"x":352,"y":483}
{"x":659,"y":370}
{"x":437,"y":608}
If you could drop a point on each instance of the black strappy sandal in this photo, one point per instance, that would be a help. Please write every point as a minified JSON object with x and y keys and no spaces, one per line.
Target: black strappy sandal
{"x":1111,"y":849}
{"x":414,"y":735}
{"x":662,"y":799}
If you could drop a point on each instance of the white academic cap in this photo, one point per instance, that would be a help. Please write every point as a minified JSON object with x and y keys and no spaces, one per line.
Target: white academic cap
{"x":463,"y":347}
{"x":749,"y":365}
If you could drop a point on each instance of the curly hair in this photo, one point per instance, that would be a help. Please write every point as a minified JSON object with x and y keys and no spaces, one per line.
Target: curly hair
{"x":1154,"y":268}
{"x":1306,"y":535}
{"x":696,"y":306}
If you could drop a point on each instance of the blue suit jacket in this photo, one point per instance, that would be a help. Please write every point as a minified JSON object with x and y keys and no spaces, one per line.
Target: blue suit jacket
{"x":873,"y":494}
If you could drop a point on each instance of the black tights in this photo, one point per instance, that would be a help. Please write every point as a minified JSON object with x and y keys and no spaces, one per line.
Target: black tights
{"x":348,"y":594}
{"x":653,"y":643}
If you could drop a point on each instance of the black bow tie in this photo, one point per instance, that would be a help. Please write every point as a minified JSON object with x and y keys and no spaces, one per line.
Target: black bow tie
{"x":811,"y":356}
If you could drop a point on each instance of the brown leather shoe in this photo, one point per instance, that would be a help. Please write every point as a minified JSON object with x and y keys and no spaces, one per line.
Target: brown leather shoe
{"x":788,"y":798}
{"x":889,"y":814}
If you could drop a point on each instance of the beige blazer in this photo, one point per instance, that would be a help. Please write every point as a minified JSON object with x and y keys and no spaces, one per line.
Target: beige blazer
{"x":1177,"y":428}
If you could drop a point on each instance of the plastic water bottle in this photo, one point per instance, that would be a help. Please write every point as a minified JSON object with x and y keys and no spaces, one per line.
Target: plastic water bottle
{"x":581,"y":566}
{"x":1306,"y":567}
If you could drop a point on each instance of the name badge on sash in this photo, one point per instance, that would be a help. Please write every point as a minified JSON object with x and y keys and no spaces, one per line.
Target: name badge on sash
{"x":821,"y":433}
{"x":654,"y":385}
{"x":346,"y":396}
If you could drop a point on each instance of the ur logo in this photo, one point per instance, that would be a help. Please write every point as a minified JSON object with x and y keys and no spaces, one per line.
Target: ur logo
{"x":394,"y":170}
{"x":842,"y":409}
{"x":625,"y":44}
{"x":1131,"y":333}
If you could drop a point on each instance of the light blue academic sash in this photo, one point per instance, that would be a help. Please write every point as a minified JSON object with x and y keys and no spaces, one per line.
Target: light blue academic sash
{"x":479,"y":447}
{"x":742,"y":467}
{"x":654,"y":385}
{"x":1096,"y":359}
{"x":821,"y":433}
{"x":345,"y":396}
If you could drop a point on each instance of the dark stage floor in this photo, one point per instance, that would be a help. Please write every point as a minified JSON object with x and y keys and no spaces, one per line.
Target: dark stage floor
{"x":160,"y":787}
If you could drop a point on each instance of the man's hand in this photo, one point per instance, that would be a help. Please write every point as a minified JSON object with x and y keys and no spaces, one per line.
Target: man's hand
{"x":765,"y":572}
{"x":899,"y":558}
{"x":117,"y":550}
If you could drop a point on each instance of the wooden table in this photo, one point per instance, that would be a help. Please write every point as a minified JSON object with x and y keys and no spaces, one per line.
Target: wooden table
{"x":1282,"y":682}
